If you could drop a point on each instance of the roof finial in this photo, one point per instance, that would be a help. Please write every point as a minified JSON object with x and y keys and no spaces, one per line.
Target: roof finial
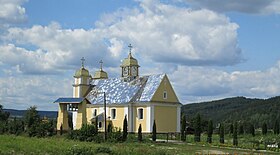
{"x":101,"y":62}
{"x":130,"y":48}
{"x":83,"y":62}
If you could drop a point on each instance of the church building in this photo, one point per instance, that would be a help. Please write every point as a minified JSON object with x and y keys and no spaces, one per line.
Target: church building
{"x":141,"y":99}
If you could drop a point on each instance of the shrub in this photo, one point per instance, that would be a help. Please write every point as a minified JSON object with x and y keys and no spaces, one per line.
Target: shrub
{"x":140,"y":133}
{"x":124,"y":129}
{"x":103,"y":149}
{"x":79,"y":150}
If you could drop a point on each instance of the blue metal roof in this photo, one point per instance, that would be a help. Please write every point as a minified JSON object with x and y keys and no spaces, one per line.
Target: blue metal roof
{"x":69,"y":100}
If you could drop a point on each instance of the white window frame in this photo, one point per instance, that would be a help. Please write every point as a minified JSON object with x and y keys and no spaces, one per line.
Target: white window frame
{"x":112,"y":113}
{"x":138,"y":113}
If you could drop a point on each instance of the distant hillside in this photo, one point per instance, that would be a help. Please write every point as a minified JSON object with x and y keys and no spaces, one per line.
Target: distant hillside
{"x":243,"y":109}
{"x":20,"y":113}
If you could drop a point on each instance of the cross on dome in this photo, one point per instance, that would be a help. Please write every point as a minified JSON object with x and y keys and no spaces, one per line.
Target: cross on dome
{"x":83,"y":62}
{"x":101,"y":63}
{"x":130,"y":48}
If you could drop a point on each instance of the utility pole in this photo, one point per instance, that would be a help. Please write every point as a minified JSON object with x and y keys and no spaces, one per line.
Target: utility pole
{"x":105,"y":120}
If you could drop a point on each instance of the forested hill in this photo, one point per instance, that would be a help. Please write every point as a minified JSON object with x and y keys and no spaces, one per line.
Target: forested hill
{"x":256,"y":111}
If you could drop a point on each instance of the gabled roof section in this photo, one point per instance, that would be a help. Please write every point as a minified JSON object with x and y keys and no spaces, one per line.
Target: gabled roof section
{"x":117,"y":91}
{"x":69,"y":100}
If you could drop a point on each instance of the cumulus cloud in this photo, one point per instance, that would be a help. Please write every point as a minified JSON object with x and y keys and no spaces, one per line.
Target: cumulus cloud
{"x":24,"y":91}
{"x":167,"y":33}
{"x":11,"y":12}
{"x":204,"y":83}
{"x":244,"y":6}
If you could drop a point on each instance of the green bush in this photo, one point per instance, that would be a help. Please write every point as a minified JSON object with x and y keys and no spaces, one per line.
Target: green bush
{"x":79,"y":150}
{"x":103,"y":149}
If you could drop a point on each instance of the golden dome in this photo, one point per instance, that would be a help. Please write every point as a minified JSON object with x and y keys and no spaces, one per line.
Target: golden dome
{"x":82,"y":72}
{"x":129,"y":61}
{"x":100,"y":75}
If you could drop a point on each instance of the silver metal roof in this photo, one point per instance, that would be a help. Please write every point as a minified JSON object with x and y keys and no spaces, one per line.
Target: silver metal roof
{"x":119,"y":92}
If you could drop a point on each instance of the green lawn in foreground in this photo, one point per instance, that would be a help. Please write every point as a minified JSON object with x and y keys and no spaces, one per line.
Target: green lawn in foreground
{"x":10,"y":144}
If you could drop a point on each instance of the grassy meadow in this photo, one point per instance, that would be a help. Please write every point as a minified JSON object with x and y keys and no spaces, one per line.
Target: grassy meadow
{"x":10,"y":144}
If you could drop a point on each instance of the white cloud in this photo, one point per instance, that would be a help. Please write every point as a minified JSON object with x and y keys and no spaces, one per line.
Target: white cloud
{"x":24,"y":91}
{"x":204,"y":83}
{"x":11,"y":12}
{"x":244,"y":6}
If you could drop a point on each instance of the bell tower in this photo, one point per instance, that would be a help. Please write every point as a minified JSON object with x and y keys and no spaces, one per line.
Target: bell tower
{"x":130,"y":67}
{"x":81,"y":81}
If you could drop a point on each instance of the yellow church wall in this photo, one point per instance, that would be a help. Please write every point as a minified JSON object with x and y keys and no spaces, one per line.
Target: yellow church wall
{"x":138,"y":121}
{"x":166,"y":118}
{"x":62,"y":118}
{"x":81,"y":115}
{"x":120,"y":114}
{"x":165,"y":85}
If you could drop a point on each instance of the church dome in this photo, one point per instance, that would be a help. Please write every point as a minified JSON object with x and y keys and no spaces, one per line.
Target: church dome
{"x":129,"y":61}
{"x":100,"y":75}
{"x":82,"y":72}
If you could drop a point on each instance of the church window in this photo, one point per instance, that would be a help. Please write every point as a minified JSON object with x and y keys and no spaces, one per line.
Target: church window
{"x":113,"y":113}
{"x":164,"y":95}
{"x":140,"y":113}
{"x":95,"y":112}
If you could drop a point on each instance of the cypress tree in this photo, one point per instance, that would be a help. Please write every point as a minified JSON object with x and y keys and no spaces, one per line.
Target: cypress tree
{"x":235,"y":141}
{"x":276,"y":127}
{"x":96,"y":125}
{"x":222,"y":133}
{"x":252,"y":130}
{"x":124,"y":137}
{"x":110,"y":127}
{"x":183,"y":128}
{"x":241,"y":129}
{"x":197,"y":128}
{"x":154,"y":136}
{"x":140,"y":133}
{"x":264,"y":129}
{"x":210,"y":131}
{"x":231,"y":128}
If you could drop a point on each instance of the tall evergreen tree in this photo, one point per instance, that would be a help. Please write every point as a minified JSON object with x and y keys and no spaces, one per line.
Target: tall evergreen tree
{"x":197,"y":128}
{"x":96,"y":124}
{"x":183,"y":128}
{"x":140,"y":133}
{"x":222,"y":133}
{"x":124,"y":129}
{"x":276,"y":127}
{"x":264,"y":129}
{"x":231,"y":128}
{"x":210,"y":131}
{"x":252,"y":130}
{"x":110,"y":127}
{"x":235,"y":141}
{"x":31,"y":116}
{"x":154,"y":134}
{"x":241,"y":129}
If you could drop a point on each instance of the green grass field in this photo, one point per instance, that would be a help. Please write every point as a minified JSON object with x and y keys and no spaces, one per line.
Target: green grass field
{"x":10,"y":144}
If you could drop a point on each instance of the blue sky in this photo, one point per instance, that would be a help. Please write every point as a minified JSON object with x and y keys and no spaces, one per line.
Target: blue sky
{"x":210,"y":50}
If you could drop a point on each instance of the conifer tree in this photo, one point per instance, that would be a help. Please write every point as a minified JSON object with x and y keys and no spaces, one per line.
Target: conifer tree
{"x":210,"y":131}
{"x":241,"y":129}
{"x":96,"y":125}
{"x":276,"y":127}
{"x":231,"y":128}
{"x":197,"y":128}
{"x":235,"y":141}
{"x":222,"y":133}
{"x":252,"y":130}
{"x":140,"y":133}
{"x":154,"y":136}
{"x":183,"y":128}
{"x":264,"y":129}
{"x":124,"y":137}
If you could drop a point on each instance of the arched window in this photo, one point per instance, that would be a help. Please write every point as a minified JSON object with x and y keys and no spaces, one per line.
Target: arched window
{"x":164,"y":94}
{"x":95,"y":112}
{"x":140,"y":113}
